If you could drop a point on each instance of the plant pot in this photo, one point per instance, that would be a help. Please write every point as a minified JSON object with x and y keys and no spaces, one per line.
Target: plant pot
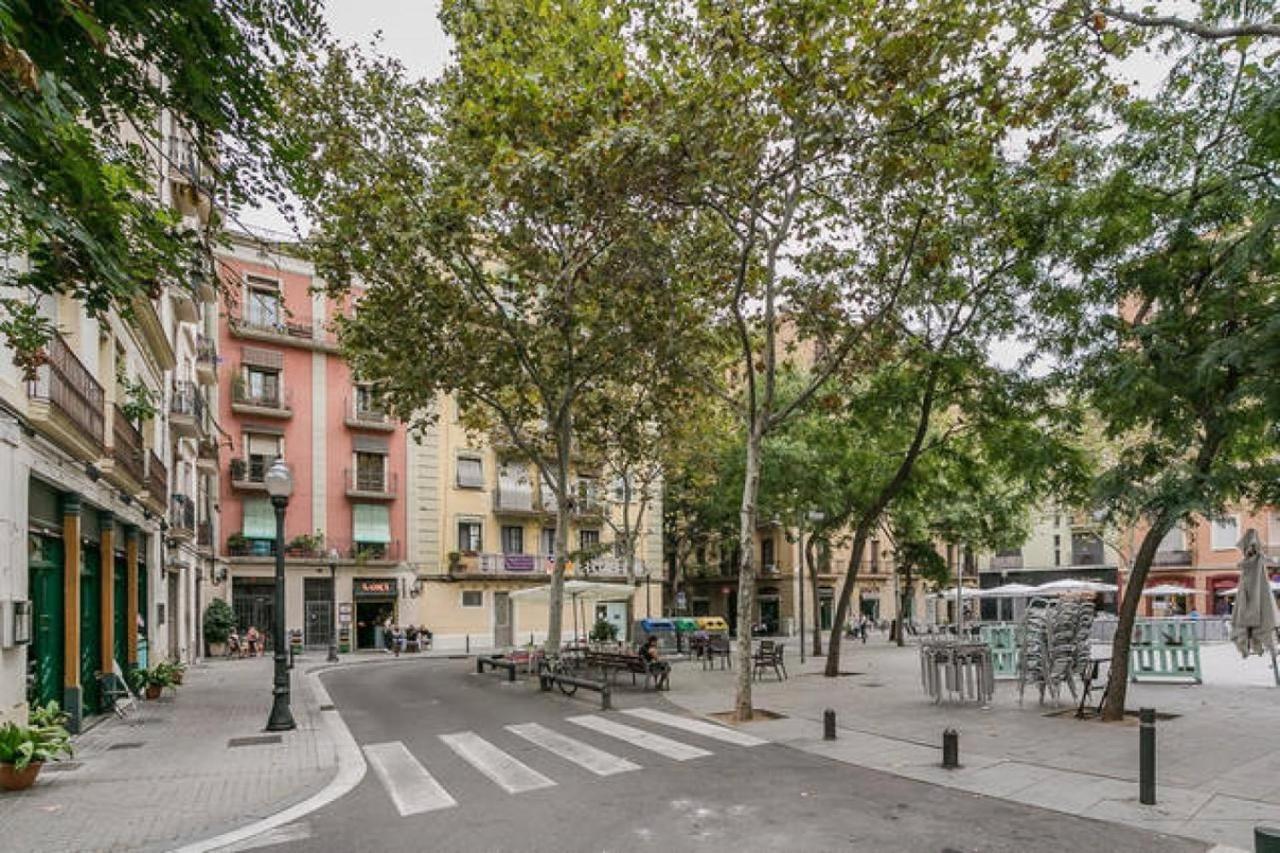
{"x":217,"y":650}
{"x":153,"y":691}
{"x":19,"y":780}
{"x":177,"y":677}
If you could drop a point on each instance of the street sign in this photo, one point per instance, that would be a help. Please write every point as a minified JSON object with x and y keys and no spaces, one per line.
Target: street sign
{"x":681,"y":600}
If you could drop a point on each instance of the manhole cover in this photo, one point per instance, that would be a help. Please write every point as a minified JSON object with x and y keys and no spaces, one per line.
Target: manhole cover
{"x":256,"y":740}
{"x":129,"y":745}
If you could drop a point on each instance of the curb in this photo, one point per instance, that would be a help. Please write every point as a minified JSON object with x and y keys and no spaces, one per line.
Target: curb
{"x":351,"y":769}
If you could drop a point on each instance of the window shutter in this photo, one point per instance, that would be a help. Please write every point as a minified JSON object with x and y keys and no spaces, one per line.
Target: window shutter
{"x":259,"y":519}
{"x":372,"y":524}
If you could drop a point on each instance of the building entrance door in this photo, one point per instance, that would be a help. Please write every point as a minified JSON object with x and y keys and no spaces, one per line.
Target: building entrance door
{"x":317,"y":594}
{"x":502,"y":620}
{"x":770,"y":613}
{"x":90,"y":626}
{"x":45,"y":658}
{"x":172,"y":609}
{"x":121,"y":601}
{"x":253,"y":600}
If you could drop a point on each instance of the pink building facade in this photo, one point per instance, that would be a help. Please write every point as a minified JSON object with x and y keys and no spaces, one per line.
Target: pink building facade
{"x":288,"y":393}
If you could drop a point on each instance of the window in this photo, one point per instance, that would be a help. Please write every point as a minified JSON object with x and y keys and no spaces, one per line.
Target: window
{"x":549,"y":541}
{"x":368,"y":406}
{"x":515,"y":491}
{"x":1172,"y":541}
{"x":469,"y":535}
{"x":588,"y":494}
{"x":371,"y":472}
{"x":263,"y":307}
{"x":262,"y":387}
{"x":259,"y":526}
{"x":766,"y":554}
{"x":588,"y":539}
{"x":1057,"y":550}
{"x":1224,"y":533}
{"x":472,"y":598}
{"x":1273,"y":529}
{"x":260,"y":451}
{"x":371,"y":524}
{"x":512,"y":539}
{"x":470,"y":472}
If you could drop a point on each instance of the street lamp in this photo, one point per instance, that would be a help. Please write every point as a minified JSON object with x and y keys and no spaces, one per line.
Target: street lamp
{"x":333,"y":591}
{"x":279,"y":483}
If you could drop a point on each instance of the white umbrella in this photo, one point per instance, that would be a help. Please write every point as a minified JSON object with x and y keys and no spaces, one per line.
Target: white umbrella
{"x":575,"y":591}
{"x":1275,"y":587}
{"x":965,"y":592}
{"x":1069,"y":585}
{"x":1009,"y":590}
{"x":1166,"y":589}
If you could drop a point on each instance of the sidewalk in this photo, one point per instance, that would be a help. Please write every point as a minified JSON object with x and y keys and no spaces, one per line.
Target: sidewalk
{"x":1218,"y":762}
{"x":169,"y":774}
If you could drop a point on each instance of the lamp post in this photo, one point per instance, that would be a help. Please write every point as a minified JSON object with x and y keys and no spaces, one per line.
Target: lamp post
{"x":279,"y":483}
{"x":333,"y":591}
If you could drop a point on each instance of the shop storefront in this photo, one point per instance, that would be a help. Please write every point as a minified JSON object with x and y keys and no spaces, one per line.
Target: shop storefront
{"x":375,"y":603}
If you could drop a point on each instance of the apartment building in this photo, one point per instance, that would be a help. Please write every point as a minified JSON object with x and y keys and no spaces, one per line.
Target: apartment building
{"x":435,"y":529}
{"x":286,"y":392}
{"x":97,"y":572}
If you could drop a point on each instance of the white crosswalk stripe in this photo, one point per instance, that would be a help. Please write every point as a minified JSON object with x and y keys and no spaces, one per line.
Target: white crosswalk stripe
{"x":673,"y":749}
{"x":582,"y":754}
{"x":507,"y":772}
{"x":698,"y":727}
{"x":412,"y":788}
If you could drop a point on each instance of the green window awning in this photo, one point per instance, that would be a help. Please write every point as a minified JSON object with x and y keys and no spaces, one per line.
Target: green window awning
{"x":371,"y":523}
{"x":259,"y":519}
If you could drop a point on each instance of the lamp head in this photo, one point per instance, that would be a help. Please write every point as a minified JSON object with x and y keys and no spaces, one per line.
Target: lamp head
{"x":278,"y":479}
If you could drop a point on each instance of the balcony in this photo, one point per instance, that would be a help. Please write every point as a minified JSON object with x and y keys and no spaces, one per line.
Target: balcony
{"x":207,"y":456}
{"x":157,"y":481}
{"x":1177,"y":557}
{"x":347,"y":551}
{"x":608,"y":567}
{"x":503,"y":565}
{"x":206,"y":361}
{"x":184,"y":303}
{"x":588,"y":506}
{"x":363,"y":415}
{"x":186,"y":409}
{"x":370,"y":485}
{"x":513,"y":499}
{"x":67,"y":402}
{"x":128,"y":459}
{"x":1090,"y":557}
{"x":249,"y":474}
{"x":185,"y":165}
{"x":268,"y":325}
{"x":182,"y":518}
{"x":272,"y":403}
{"x":1005,"y":562}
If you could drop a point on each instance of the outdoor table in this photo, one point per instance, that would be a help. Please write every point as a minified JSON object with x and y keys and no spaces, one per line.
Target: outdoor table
{"x":956,"y":669}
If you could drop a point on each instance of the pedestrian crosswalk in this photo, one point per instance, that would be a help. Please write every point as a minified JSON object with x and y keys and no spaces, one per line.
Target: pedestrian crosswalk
{"x":413,"y":789}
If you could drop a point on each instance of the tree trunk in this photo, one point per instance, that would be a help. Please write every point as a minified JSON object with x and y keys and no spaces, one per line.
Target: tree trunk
{"x":860,"y":537}
{"x":903,"y":598}
{"x":817,"y":603}
{"x":1118,"y":680}
{"x":747,"y":572}
{"x":564,"y":511}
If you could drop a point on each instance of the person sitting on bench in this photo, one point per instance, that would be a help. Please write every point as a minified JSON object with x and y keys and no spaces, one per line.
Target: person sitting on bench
{"x":659,"y":668}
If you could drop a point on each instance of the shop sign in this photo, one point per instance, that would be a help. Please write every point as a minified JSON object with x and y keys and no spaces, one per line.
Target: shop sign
{"x":374,"y":588}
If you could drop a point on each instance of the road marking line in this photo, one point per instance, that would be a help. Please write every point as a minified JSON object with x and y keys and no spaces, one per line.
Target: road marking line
{"x":639,"y":737}
{"x":300,"y":831}
{"x":582,"y":754}
{"x":411,"y":787}
{"x":698,"y":727}
{"x":510,"y":774}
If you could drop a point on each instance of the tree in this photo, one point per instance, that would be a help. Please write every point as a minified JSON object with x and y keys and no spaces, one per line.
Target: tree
{"x":1176,"y":251}
{"x":84,"y":87}
{"x":502,"y":225}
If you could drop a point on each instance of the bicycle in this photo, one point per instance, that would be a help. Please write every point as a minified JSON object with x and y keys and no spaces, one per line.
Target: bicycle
{"x":561,"y":665}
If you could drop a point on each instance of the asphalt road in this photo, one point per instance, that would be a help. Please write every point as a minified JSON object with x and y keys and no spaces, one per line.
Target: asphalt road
{"x":437,"y":740}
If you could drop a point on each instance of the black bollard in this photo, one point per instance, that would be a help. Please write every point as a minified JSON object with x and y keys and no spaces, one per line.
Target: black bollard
{"x":1266,"y":839}
{"x":828,"y":724}
{"x":950,"y":749}
{"x":479,"y":665}
{"x":1147,"y":756}
{"x":468,"y":644}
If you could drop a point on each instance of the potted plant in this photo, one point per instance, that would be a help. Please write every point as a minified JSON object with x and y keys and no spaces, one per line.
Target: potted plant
{"x":219,"y":621}
{"x":151,"y":681}
{"x":174,"y":670}
{"x":304,"y":545}
{"x":604,"y":631}
{"x":237,"y":544}
{"x":25,"y":749}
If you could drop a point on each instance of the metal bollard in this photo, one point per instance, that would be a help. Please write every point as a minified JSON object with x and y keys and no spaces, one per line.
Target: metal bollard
{"x":1147,"y":756}
{"x":828,"y":724}
{"x":480,"y":665}
{"x":1266,"y":839}
{"x":606,"y":701}
{"x":468,"y":644}
{"x":511,"y":673}
{"x":950,"y":749}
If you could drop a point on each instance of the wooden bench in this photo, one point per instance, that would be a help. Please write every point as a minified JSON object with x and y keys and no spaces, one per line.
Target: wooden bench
{"x":614,"y":662}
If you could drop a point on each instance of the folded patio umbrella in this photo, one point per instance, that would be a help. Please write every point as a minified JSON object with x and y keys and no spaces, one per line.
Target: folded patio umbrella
{"x":1253,"y":622}
{"x":1168,"y":589}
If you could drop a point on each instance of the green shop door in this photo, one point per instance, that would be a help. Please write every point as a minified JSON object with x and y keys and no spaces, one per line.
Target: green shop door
{"x":90,"y":627}
{"x":121,"y":602}
{"x":45,"y":658}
